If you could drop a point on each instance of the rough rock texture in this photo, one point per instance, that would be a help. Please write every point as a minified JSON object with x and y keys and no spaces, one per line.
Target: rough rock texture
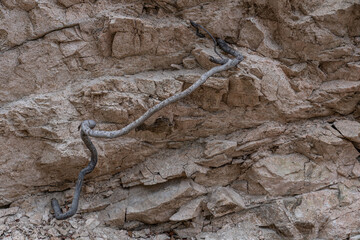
{"x":267,"y":150}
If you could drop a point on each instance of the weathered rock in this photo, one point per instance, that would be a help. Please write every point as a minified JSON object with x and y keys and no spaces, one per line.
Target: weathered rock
{"x":134,"y":37}
{"x":325,"y":201}
{"x":221,"y":176}
{"x":224,"y":201}
{"x":242,"y":231}
{"x":164,"y":166}
{"x":114,"y":215}
{"x":335,"y":95}
{"x":95,"y":204}
{"x":244,"y":91}
{"x":9,"y":211}
{"x":350,"y":130}
{"x":284,"y":122}
{"x":189,"y":62}
{"x":217,"y":147}
{"x":91,"y":223}
{"x":161,"y":237}
{"x":158,"y":203}
{"x":280,"y":174}
{"x":202,"y":56}
{"x":188,"y":211}
{"x":215,"y":161}
{"x":341,"y":222}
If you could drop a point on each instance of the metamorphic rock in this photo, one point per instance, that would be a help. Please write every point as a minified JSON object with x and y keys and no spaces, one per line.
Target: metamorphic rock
{"x":266,"y":150}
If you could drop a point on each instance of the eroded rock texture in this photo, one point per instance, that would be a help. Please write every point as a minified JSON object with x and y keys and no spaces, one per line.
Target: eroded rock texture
{"x":267,"y":150}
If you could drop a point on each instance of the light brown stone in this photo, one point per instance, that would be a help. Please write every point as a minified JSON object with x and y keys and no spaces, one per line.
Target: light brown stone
{"x":217,"y":147}
{"x":159,"y":203}
{"x":221,"y":176}
{"x":349,"y":129}
{"x":215,"y":161}
{"x":188,"y":211}
{"x":224,"y":201}
{"x":280,"y":174}
{"x":114,"y":215}
{"x":9,"y":211}
{"x":281,"y":128}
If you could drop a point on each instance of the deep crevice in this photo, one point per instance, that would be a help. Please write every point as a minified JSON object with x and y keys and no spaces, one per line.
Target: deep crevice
{"x":5,"y":206}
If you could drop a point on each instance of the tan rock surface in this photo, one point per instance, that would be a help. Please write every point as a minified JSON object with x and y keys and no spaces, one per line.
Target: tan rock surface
{"x":266,"y":150}
{"x":224,"y":201}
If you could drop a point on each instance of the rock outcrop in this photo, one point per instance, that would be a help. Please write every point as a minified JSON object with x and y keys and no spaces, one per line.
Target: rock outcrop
{"x":266,"y":150}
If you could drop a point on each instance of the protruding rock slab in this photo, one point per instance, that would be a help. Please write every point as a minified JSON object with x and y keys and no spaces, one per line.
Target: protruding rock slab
{"x":188,"y":211}
{"x":225,"y":200}
{"x":221,"y":176}
{"x":349,"y":129}
{"x":114,"y":215}
{"x":217,"y":147}
{"x":280,"y":174}
{"x":8,"y":211}
{"x":216,"y":161}
{"x":158,"y":203}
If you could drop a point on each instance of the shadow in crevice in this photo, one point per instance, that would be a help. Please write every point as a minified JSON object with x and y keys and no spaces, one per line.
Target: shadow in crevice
{"x":5,"y":206}
{"x":355,"y":145}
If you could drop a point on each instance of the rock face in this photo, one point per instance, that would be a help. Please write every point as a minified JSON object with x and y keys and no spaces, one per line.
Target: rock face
{"x":266,"y":150}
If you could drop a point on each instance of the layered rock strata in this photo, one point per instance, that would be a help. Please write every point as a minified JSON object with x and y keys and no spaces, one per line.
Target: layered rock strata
{"x":267,"y":150}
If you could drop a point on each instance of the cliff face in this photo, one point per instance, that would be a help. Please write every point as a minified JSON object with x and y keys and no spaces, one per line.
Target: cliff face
{"x":267,"y":150}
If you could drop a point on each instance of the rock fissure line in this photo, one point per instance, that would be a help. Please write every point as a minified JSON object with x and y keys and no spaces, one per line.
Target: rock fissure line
{"x":87,"y":126}
{"x":71,"y":25}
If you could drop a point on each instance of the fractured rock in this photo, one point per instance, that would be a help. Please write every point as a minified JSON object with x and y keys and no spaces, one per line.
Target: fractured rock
{"x":349,"y":129}
{"x":91,"y":223}
{"x":8,"y":211}
{"x":114,"y":215}
{"x":244,"y":91}
{"x":280,"y":175}
{"x":158,"y":203}
{"x":225,"y":200}
{"x":217,"y":147}
{"x":266,"y":125}
{"x":134,"y":36}
{"x":215,"y":161}
{"x":202,"y":56}
{"x":188,"y":211}
{"x":220,"y":176}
